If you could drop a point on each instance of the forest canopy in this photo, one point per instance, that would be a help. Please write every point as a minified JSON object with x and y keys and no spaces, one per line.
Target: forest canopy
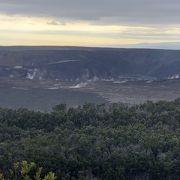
{"x":95,"y":141}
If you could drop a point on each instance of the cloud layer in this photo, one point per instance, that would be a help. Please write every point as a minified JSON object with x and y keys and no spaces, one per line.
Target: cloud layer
{"x":105,"y":11}
{"x":90,"y":22}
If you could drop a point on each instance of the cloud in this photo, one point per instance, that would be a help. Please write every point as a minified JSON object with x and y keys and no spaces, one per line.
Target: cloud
{"x":55,"y":23}
{"x":90,"y":22}
{"x":40,"y":30}
{"x":99,"y":11}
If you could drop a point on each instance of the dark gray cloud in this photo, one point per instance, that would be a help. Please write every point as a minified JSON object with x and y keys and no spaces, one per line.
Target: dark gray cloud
{"x":105,"y":11}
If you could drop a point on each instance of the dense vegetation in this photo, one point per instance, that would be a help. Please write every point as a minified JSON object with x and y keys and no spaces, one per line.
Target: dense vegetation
{"x":110,"y":143}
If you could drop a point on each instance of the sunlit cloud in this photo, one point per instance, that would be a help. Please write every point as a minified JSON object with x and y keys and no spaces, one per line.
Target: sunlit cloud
{"x":32,"y":30}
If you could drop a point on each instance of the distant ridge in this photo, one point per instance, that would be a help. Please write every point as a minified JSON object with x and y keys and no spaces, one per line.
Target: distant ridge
{"x":156,"y":46}
{"x":88,"y":62}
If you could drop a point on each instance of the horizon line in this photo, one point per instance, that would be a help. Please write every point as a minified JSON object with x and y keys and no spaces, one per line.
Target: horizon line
{"x":99,"y":47}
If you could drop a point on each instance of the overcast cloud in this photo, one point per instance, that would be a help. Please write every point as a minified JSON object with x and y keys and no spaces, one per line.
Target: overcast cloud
{"x":105,"y":11}
{"x":90,"y":22}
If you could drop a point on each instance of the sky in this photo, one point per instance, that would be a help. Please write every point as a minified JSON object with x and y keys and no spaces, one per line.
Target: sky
{"x":112,"y":23}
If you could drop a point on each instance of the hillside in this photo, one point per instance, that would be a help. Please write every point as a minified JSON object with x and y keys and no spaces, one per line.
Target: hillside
{"x":39,"y":78}
{"x":76,"y":63}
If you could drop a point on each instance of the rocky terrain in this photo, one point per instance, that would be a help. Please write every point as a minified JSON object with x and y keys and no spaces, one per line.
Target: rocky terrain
{"x":41,"y":77}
